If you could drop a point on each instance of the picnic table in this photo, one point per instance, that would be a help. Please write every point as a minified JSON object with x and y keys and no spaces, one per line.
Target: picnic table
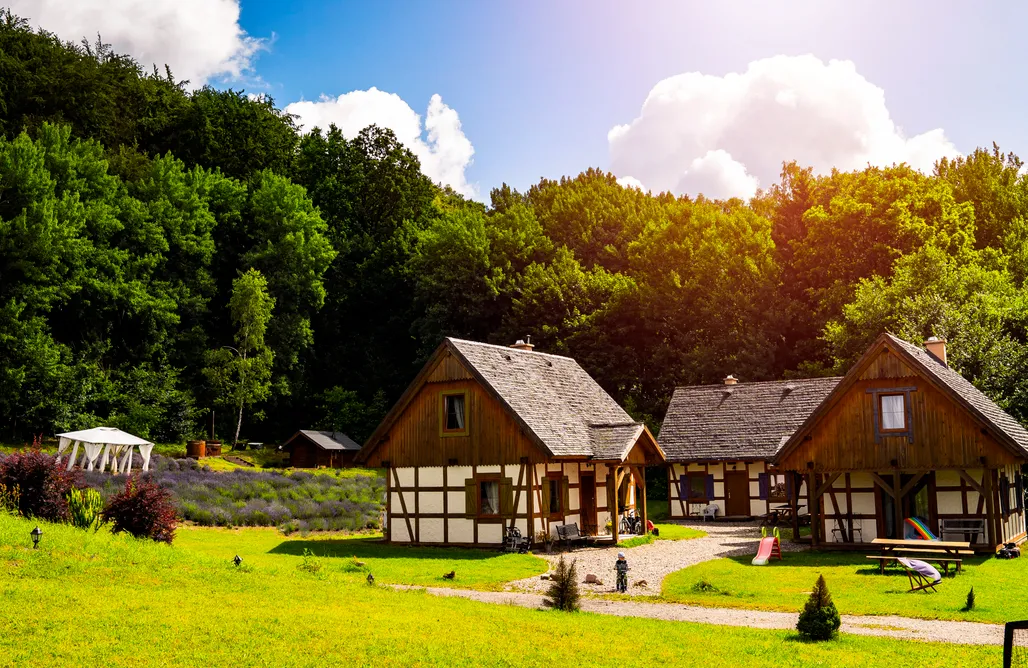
{"x":930,"y":550}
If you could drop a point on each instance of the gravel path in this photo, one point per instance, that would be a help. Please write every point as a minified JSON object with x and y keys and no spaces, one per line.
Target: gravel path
{"x":965,"y":633}
{"x":651,"y":563}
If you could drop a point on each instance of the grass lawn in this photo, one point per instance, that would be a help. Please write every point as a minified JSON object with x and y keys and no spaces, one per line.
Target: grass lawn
{"x":1000,"y":586}
{"x":667,"y":532}
{"x":100,"y":600}
{"x":271,"y":552}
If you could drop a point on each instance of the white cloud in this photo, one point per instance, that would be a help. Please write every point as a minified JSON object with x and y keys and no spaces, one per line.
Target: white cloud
{"x":441,"y":146}
{"x":630,"y":182}
{"x":726,"y":136}
{"x":200,"y":40}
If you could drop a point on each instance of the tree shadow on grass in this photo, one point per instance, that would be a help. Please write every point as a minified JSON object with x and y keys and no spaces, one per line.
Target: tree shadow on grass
{"x":375,"y":548}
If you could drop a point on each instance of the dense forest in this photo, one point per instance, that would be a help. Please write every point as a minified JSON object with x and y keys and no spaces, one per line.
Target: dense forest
{"x":166,"y":253}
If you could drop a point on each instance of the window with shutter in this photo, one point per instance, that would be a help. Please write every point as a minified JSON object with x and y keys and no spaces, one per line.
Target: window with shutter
{"x":506,"y":497}
{"x":470,"y":499}
{"x":683,"y":488}
{"x":554,"y":496}
{"x":762,"y":482}
{"x":1004,"y":495}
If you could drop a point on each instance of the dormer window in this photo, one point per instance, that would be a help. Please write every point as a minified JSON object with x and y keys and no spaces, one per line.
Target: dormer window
{"x":893,"y":411}
{"x":454,"y":418}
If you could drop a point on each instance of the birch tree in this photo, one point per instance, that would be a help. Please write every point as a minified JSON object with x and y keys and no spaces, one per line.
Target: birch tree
{"x":242,"y":374}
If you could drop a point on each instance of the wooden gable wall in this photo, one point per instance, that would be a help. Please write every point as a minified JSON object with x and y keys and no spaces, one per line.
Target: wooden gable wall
{"x":945,"y":434}
{"x":494,"y":437}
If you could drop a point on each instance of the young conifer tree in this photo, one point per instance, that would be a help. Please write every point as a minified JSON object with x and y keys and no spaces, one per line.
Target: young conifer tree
{"x":819,"y":619}
{"x":563,"y":593}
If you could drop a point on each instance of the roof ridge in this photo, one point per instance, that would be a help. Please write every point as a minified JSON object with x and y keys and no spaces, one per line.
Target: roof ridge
{"x":508,"y":349}
{"x":752,"y":383}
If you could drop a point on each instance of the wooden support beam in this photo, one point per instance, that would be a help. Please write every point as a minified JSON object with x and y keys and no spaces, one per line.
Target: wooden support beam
{"x":403,"y":505}
{"x":912,"y":483}
{"x":517,"y":495}
{"x":645,"y":518}
{"x":838,"y":518}
{"x":794,"y":499}
{"x":990,"y":508}
{"x":531,"y":501}
{"x":897,"y":505}
{"x":971,"y":481}
{"x":827,"y":484}
{"x":880,"y":481}
{"x":814,"y":501}
{"x":678,"y":485}
{"x":612,"y":501}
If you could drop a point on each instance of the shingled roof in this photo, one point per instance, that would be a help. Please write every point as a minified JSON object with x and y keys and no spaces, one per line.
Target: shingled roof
{"x":558,"y":403}
{"x":972,"y":398}
{"x":329,"y":440}
{"x":742,"y":421}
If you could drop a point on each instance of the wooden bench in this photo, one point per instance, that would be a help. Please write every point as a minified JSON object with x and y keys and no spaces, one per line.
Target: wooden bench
{"x":966,"y":527}
{"x":942,"y":561}
{"x":569,"y":534}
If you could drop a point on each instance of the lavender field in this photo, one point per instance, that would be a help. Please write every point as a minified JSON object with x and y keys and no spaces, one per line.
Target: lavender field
{"x":297,"y":501}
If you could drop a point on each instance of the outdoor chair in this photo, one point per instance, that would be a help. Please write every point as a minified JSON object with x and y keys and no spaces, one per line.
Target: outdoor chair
{"x":922,"y":575}
{"x":710,"y":511}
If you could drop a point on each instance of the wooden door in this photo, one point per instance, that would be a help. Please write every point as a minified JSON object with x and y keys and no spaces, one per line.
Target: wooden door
{"x":587,"y":502}
{"x":737,"y":493}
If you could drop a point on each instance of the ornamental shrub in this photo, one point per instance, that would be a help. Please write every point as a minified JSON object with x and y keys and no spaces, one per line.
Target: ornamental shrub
{"x":86,"y":508}
{"x":819,"y":619}
{"x":42,"y":484}
{"x":563,"y":593}
{"x":144,"y":509}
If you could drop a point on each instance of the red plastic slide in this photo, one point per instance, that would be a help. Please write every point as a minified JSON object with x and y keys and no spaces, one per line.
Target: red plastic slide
{"x":769,"y":547}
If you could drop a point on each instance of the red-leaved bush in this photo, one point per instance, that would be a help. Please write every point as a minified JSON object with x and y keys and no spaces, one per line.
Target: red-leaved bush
{"x":42,"y":484}
{"x":143,"y":509}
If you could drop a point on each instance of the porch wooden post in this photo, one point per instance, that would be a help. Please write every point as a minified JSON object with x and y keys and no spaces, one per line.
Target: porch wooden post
{"x":815,"y":508}
{"x":531,"y":500}
{"x":990,"y":507}
{"x":794,"y":499}
{"x":615,"y":515}
{"x":897,"y":503}
{"x":646,"y":530}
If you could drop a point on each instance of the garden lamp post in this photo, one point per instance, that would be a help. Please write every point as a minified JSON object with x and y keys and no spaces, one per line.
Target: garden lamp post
{"x":36,"y":533}
{"x":237,"y":560}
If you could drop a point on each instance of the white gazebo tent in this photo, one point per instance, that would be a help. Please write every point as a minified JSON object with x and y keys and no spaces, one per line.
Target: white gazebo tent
{"x":116,"y":444}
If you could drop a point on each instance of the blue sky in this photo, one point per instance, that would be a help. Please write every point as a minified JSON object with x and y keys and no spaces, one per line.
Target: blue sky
{"x":538,"y":85}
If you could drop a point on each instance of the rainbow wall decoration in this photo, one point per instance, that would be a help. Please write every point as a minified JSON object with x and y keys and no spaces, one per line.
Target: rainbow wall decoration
{"x":914,"y":528}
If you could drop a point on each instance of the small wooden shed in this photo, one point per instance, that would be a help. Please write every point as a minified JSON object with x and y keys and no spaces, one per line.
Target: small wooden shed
{"x":309,"y":449}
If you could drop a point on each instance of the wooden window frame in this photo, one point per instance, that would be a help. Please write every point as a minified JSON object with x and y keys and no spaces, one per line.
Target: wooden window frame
{"x":489,"y":477}
{"x":770,"y":486}
{"x":443,"y":431}
{"x":555,"y":477}
{"x":908,"y":413}
{"x":689,"y":475}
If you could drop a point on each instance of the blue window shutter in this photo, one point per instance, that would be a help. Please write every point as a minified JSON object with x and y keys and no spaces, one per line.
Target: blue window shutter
{"x":1019,"y":501}
{"x":683,"y":488}
{"x":763,"y":483}
{"x":710,"y":487}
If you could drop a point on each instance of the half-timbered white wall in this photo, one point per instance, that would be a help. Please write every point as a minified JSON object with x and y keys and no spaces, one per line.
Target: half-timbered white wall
{"x":434,"y":499}
{"x":679,"y":508}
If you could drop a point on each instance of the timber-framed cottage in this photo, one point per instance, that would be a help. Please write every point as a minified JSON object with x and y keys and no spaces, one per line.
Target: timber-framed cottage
{"x":490,"y":437}
{"x":904,"y":435}
{"x":719,"y":441}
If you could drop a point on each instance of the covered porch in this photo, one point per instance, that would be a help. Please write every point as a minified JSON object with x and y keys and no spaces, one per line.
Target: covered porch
{"x":850,"y":509}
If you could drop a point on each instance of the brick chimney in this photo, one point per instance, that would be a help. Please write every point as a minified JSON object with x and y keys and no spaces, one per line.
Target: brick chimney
{"x":521,"y":344}
{"x":937,"y":348}
{"x":731,"y":380}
